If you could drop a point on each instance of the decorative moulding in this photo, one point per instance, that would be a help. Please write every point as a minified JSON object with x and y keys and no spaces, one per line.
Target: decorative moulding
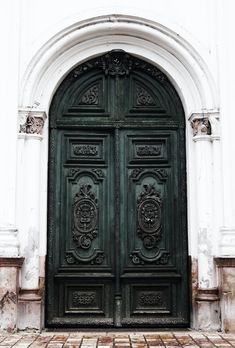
{"x":225,"y":261}
{"x":11,"y":261}
{"x":211,"y":294}
{"x":31,"y":121}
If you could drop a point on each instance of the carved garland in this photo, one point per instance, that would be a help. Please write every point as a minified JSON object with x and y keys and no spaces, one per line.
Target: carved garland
{"x":85,"y":216}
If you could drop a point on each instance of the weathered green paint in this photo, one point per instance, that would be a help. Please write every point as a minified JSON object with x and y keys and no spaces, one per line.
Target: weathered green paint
{"x":117,"y":245}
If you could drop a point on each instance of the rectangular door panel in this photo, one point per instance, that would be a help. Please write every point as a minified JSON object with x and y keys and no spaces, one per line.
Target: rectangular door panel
{"x":82,"y":267}
{"x":151,"y":243}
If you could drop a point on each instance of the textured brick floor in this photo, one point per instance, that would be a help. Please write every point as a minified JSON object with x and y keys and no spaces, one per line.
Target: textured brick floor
{"x":189,"y":339}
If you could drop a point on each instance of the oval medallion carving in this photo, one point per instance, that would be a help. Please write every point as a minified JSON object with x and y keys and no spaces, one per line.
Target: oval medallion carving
{"x":149,"y":215}
{"x":149,"y":218}
{"x":85,"y":216}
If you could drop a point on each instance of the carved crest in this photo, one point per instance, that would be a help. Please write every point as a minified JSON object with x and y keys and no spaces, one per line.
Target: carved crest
{"x":120,"y":63}
{"x":149,"y":212}
{"x":85,"y":215}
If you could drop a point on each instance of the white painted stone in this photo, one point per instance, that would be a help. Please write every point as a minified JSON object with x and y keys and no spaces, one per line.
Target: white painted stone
{"x":9,"y":243}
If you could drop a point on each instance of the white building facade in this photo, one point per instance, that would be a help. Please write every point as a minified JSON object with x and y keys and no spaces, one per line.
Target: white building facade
{"x":192,"y":43}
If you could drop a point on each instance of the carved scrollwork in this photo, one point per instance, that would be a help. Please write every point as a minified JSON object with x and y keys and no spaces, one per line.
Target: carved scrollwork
{"x":85,"y":150}
{"x":150,"y":299}
{"x":90,"y":97}
{"x":73,"y":171}
{"x":85,"y":215}
{"x":136,"y":172}
{"x":161,"y":258}
{"x":72,"y":258}
{"x":143,"y":98}
{"x":98,"y":172}
{"x":119,"y":63}
{"x":148,"y":150}
{"x":83,"y":298}
{"x":162,"y":173}
{"x":149,"y":205}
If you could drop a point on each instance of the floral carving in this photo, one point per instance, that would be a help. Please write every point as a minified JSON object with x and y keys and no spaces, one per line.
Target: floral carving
{"x":149,"y":205}
{"x":85,"y":150}
{"x":201,"y":126}
{"x":150,"y":299}
{"x":90,"y":97}
{"x":32,"y":125}
{"x":143,"y":98}
{"x":85,"y":215}
{"x":136,"y":172}
{"x":148,"y":150}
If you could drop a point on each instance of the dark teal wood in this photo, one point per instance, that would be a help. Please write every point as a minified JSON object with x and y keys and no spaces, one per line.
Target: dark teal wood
{"x":117,"y":219}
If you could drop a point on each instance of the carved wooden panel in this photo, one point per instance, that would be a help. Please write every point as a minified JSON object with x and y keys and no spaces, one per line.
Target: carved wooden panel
{"x":86,"y":299}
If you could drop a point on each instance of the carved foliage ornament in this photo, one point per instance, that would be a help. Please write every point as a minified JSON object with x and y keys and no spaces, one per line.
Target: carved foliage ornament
{"x":201,"y":126}
{"x":32,"y":125}
{"x":149,"y":205}
{"x":143,"y":98}
{"x":85,"y":215}
{"x":148,"y":150}
{"x":150,"y":299}
{"x":85,"y":150}
{"x":83,"y":298}
{"x":90,"y":97}
{"x":119,"y":63}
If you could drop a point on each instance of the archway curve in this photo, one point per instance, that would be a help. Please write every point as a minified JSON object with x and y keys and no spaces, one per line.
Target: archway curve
{"x":146,"y":39}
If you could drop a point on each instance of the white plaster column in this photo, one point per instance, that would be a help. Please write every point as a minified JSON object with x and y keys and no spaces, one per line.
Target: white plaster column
{"x":203,"y":154}
{"x":28,"y":209}
{"x":207,"y":317}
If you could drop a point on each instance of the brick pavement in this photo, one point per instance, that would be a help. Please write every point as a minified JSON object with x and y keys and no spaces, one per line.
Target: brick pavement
{"x":189,"y":339}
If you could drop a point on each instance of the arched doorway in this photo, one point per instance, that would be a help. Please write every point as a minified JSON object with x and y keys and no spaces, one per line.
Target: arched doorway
{"x":117,"y":246}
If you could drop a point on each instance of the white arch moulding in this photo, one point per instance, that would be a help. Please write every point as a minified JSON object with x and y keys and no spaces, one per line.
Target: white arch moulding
{"x":150,"y":41}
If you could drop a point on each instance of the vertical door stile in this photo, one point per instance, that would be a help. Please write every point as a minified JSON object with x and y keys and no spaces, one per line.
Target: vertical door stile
{"x":117,"y":303}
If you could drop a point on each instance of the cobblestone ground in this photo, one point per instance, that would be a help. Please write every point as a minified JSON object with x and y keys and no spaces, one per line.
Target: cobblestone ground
{"x":189,"y":339}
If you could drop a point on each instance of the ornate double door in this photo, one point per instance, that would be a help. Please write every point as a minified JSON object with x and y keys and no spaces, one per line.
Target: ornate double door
{"x":117,"y":245}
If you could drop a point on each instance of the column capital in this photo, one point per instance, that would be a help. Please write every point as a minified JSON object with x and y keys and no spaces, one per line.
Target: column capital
{"x":205,"y":123}
{"x":31,"y":121}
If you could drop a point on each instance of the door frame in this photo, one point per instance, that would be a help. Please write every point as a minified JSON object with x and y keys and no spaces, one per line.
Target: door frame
{"x":187,"y":71}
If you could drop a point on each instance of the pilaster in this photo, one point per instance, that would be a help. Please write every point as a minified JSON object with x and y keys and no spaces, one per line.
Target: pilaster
{"x":31,"y":122}
{"x":205,"y":133}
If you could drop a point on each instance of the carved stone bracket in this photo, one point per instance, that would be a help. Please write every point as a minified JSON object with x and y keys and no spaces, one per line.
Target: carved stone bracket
{"x":31,"y":121}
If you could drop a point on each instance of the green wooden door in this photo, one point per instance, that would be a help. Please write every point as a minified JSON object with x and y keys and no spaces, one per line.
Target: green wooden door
{"x":117,"y":245}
